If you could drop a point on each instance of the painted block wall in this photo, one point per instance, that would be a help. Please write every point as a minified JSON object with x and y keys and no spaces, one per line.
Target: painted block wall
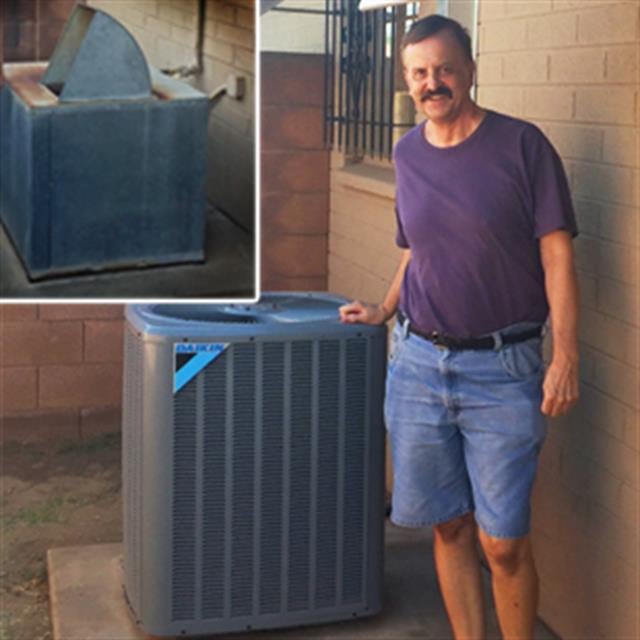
{"x":572,"y":67}
{"x":60,"y":370}
{"x":363,"y":256}
{"x":286,"y":31}
{"x":166,"y":30}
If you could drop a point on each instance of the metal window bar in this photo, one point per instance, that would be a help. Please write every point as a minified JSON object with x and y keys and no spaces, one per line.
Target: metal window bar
{"x":362,"y":76}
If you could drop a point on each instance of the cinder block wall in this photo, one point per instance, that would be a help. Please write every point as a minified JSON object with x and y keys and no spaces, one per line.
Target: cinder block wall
{"x":60,"y":370}
{"x":363,"y":256}
{"x":295,"y":173}
{"x":293,"y":32}
{"x":166,"y":30}
{"x":573,"y":68}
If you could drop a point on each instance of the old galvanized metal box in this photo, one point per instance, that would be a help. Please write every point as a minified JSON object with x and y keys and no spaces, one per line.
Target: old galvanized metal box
{"x":102,"y":158}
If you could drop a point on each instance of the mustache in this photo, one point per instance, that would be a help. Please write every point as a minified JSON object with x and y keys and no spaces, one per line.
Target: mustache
{"x":440,"y":91}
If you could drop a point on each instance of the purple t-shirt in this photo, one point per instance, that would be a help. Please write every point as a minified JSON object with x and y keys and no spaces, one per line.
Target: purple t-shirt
{"x":472,"y":215}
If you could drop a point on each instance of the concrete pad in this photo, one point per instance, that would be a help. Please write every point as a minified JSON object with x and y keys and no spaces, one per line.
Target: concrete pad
{"x":85,"y":594}
{"x":87,"y":601}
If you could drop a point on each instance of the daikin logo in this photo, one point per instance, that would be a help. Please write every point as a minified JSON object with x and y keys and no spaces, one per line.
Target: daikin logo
{"x":190,"y":358}
{"x":197,"y":347}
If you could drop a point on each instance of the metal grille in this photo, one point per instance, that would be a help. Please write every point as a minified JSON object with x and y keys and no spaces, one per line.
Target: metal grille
{"x":242,"y":474}
{"x":300,"y":476}
{"x":271,"y":491}
{"x":355,"y":436}
{"x":362,"y":73}
{"x":272,"y":505}
{"x":327,"y":512}
{"x":184,"y":502}
{"x":214,"y":487}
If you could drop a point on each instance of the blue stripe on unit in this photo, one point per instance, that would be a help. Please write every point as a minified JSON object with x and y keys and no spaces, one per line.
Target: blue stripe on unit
{"x":194,"y":367}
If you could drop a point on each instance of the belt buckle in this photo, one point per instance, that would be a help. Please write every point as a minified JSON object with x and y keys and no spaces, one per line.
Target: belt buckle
{"x":438,"y":340}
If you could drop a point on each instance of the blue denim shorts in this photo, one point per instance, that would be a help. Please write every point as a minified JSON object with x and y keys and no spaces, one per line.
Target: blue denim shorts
{"x":465,"y":430}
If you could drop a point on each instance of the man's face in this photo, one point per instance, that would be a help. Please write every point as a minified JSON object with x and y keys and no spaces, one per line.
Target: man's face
{"x":439,"y":77}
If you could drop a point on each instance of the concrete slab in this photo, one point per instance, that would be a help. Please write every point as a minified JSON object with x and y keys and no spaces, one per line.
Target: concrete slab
{"x":85,"y":594}
{"x":228,"y":272}
{"x":87,"y":601}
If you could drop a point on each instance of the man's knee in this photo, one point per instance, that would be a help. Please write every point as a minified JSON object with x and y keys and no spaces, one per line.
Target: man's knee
{"x":505,"y":555}
{"x":456,"y":531}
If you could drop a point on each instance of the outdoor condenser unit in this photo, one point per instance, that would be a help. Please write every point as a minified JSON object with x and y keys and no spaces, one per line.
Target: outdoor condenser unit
{"x":102,"y":158}
{"x":253,"y":465}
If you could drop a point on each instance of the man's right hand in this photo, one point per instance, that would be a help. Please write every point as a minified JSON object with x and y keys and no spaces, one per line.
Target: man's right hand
{"x":355,"y":312}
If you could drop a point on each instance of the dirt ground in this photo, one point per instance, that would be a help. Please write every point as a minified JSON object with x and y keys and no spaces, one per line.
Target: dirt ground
{"x":53,"y":495}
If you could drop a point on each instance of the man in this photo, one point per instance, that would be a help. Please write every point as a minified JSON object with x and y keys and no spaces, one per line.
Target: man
{"x":485,"y":222}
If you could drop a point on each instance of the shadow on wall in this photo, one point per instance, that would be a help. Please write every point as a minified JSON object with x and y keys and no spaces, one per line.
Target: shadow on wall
{"x":230,"y":166}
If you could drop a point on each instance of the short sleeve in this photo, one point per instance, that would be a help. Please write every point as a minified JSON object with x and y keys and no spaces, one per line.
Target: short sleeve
{"x":552,"y":206}
{"x":401,"y":240}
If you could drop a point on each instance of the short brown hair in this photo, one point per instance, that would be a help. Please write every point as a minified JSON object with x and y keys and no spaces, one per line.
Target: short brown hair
{"x":426,"y":27}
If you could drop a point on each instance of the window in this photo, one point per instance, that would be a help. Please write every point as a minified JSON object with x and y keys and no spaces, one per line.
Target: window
{"x":363,"y":77}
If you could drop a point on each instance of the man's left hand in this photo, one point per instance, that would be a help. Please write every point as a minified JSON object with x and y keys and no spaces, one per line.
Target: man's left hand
{"x":560,"y":388}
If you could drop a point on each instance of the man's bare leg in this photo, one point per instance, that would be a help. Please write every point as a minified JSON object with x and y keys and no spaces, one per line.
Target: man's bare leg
{"x":515,"y":584}
{"x":458,"y":567}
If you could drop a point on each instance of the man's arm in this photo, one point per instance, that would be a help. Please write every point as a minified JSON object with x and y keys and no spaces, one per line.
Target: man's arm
{"x":560,"y":386}
{"x":378,"y":314}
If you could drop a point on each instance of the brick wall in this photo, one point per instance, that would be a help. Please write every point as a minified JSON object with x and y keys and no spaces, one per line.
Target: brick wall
{"x":166,"y":30}
{"x":573,"y":68}
{"x":295,"y":173}
{"x":60,"y":370}
{"x":31,"y":28}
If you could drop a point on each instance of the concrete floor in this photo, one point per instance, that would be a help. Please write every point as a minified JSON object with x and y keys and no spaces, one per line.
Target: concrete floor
{"x":228,"y":272}
{"x":86,"y":579}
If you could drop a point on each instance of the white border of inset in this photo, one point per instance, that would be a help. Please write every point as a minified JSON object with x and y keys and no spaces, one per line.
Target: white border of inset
{"x":257,"y":216}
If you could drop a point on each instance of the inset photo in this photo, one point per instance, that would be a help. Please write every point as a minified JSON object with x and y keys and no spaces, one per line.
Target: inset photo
{"x":127,"y":149}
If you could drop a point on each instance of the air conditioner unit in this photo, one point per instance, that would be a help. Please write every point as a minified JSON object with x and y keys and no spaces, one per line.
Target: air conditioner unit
{"x":253,"y":465}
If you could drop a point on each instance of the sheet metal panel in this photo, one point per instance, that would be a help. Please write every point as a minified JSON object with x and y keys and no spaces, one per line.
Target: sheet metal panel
{"x":96,"y":58}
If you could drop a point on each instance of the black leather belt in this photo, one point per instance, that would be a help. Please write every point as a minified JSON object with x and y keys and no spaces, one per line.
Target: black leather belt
{"x":487,"y":342}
